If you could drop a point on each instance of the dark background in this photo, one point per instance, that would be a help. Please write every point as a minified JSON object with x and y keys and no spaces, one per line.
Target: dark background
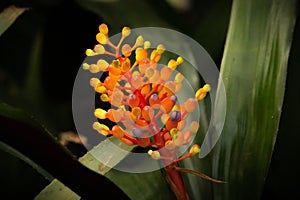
{"x":66,"y":29}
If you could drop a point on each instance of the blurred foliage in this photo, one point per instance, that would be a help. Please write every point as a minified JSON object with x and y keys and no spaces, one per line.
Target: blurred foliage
{"x":42,"y":51}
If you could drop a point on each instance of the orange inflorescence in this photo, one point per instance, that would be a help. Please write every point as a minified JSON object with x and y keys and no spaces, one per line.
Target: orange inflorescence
{"x":144,"y":108}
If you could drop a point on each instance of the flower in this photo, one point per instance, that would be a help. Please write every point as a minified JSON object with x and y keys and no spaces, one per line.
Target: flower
{"x":144,"y":106}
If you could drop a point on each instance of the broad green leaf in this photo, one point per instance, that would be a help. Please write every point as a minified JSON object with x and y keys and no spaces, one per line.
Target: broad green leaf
{"x":57,"y":190}
{"x":145,"y":186}
{"x":150,"y":183}
{"x":8,"y":16}
{"x":92,"y":161}
{"x":254,"y":72}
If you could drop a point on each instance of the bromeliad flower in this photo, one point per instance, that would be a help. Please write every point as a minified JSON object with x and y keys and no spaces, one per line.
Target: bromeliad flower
{"x":145,"y":110}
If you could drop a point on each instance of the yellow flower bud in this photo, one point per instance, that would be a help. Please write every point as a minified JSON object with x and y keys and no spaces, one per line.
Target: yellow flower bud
{"x":85,"y":66}
{"x":101,"y":38}
{"x":179,"y":60}
{"x":147,"y":45}
{"x":126,"y":31}
{"x":94,"y":68}
{"x":140,"y":54}
{"x":99,"y":49}
{"x":136,"y":111}
{"x":101,"y":128}
{"x":102,"y":64}
{"x":172,"y":64}
{"x":103,"y":29}
{"x":89,"y":52}
{"x":160,"y":48}
{"x":139,"y":41}
{"x":154,"y":154}
{"x":194,"y":149}
{"x":173,"y":133}
{"x":100,"y":113}
{"x":104,"y":98}
{"x":178,"y":78}
{"x":101,"y":89}
{"x":194,"y":126}
{"x":206,"y":88}
{"x":94,"y":82}
{"x":126,"y":50}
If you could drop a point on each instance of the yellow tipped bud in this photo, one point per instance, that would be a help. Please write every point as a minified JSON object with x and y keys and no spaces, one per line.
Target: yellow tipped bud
{"x":100,"y":113}
{"x":103,"y":29}
{"x":125,"y":66}
{"x":179,"y":60}
{"x":127,"y":85}
{"x":101,"y":128}
{"x":136,"y":111}
{"x":201,"y":93}
{"x":101,"y":89}
{"x":206,"y":88}
{"x":99,"y":49}
{"x":126,"y":50}
{"x":173,"y":133}
{"x":115,"y":63}
{"x":195,"y":149}
{"x":102,"y":64}
{"x":147,"y":45}
{"x":126,"y":31}
{"x":160,"y":48}
{"x":176,"y":107}
{"x":96,"y":126}
{"x":94,"y":82}
{"x":154,"y":154}
{"x":139,"y":41}
{"x":178,"y":78}
{"x":94,"y":68}
{"x":155,"y":56}
{"x":104,"y":98}
{"x":146,"y":89}
{"x":194,"y":126}
{"x":149,"y":72}
{"x":101,"y":38}
{"x":172,"y":64}
{"x":140,"y":54}
{"x":89,"y":52}
{"x":85,"y":66}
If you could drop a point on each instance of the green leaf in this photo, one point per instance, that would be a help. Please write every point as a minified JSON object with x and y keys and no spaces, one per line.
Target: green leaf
{"x":254,"y":73}
{"x":137,"y":186}
{"x":8,"y":16}
{"x":151,"y":182}
{"x":57,"y":190}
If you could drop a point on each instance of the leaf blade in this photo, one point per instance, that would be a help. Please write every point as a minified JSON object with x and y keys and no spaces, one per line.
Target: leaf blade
{"x":8,"y":17}
{"x":254,"y":72}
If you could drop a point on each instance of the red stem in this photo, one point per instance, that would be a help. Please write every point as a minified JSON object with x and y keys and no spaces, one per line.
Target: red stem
{"x":175,"y":178}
